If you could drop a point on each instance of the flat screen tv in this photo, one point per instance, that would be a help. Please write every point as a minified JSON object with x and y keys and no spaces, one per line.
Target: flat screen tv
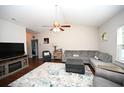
{"x":11,"y":49}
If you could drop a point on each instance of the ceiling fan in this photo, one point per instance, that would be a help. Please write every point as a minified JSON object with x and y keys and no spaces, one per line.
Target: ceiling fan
{"x":57,"y":27}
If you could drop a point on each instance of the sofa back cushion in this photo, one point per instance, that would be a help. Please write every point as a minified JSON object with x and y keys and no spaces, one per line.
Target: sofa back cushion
{"x":79,"y":53}
{"x":68,"y":54}
{"x":104,"y":56}
{"x":88,"y":53}
{"x":91,"y":53}
{"x":83,"y":53}
{"x":71,"y":53}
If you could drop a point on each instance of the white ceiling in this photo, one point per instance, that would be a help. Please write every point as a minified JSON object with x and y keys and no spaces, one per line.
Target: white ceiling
{"x":34,"y":17}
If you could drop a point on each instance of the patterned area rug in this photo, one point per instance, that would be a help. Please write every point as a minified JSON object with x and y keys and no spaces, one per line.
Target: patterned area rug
{"x":54,"y":75}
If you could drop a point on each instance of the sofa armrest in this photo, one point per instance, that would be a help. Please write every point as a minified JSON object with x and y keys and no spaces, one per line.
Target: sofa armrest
{"x":110,"y":75}
{"x":102,"y":82}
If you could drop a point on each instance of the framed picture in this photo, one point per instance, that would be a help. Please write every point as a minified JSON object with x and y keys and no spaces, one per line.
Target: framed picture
{"x":46,"y":40}
{"x":104,"y":36}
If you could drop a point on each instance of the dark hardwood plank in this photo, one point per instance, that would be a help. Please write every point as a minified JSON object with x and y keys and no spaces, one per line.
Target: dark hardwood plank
{"x":91,"y":68}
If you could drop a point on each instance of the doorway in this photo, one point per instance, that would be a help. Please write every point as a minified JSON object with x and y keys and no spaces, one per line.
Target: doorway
{"x":34,"y":44}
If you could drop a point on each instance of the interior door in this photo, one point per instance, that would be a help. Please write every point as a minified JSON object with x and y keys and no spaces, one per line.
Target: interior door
{"x":34,"y":48}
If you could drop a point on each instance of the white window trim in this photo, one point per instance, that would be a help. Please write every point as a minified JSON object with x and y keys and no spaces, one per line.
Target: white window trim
{"x":120,"y":60}
{"x":117,"y":52}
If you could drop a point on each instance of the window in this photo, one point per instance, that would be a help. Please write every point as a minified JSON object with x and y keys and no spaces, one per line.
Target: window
{"x":120,"y":44}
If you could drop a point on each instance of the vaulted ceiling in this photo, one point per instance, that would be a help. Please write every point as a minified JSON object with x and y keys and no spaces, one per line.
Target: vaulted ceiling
{"x":35,"y":17}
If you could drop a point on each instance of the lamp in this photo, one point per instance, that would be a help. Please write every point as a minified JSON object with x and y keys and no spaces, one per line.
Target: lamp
{"x":55,"y":46}
{"x":56,"y":24}
{"x":56,"y":29}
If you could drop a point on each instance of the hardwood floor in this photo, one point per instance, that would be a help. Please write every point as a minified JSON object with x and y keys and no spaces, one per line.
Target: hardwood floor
{"x":91,"y":68}
{"x":33,"y":63}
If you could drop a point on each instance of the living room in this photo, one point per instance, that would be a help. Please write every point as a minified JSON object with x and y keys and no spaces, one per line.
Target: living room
{"x":89,"y":40}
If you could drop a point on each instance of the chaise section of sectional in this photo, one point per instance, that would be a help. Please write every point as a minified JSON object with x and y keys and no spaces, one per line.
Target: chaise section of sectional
{"x":95,"y":64}
{"x":100,"y":59}
{"x":109,"y":78}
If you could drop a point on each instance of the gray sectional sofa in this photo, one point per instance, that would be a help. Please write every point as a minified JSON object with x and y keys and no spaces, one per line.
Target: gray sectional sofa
{"x":94,"y":58}
{"x":102,"y":78}
{"x":88,"y":56}
{"x":79,"y":54}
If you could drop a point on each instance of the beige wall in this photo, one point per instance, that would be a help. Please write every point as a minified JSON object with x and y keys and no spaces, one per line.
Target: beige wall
{"x":74,"y":38}
{"x":10,"y":32}
{"x":111,"y":27}
{"x":28,"y":41}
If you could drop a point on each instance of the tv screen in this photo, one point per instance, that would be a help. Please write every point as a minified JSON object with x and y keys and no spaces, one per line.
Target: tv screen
{"x":11,"y":49}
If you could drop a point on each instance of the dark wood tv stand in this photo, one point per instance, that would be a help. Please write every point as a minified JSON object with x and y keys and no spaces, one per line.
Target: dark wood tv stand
{"x":12,"y":65}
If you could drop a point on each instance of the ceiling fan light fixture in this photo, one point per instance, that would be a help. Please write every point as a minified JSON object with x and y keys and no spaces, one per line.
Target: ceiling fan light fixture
{"x":56,"y":29}
{"x":56,"y":24}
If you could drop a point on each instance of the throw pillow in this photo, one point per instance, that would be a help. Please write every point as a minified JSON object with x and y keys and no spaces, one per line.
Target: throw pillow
{"x":96,"y":57}
{"x":75,"y":55}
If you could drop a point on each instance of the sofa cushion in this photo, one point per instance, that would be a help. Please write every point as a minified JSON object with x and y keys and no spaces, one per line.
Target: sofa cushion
{"x":91,"y":53}
{"x":83,"y":58}
{"x":68,"y":54}
{"x":96,"y":62}
{"x":104,"y":57}
{"x":101,"y":82}
{"x":83,"y":53}
{"x":97,"y":53}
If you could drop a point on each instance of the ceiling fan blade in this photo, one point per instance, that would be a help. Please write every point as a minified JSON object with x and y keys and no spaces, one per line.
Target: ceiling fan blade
{"x":46,"y":26}
{"x":51,"y":29}
{"x":61,"y":29}
{"x":65,"y":25}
